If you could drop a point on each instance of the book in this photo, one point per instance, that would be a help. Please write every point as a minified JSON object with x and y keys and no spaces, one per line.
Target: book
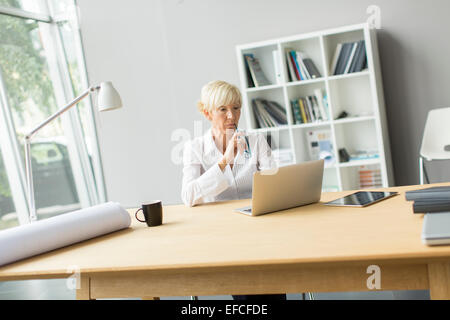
{"x":250,"y":83}
{"x":304,"y":107}
{"x":296,"y":66}
{"x":357,"y":55}
{"x":427,"y":206}
{"x":350,"y":57}
{"x":266,"y":118}
{"x":343,"y":57}
{"x":315,"y":108}
{"x":258,"y":120}
{"x":263,"y":120}
{"x":258,"y":76}
{"x":312,"y":69}
{"x":319,"y":98}
{"x":304,"y":71}
{"x":340,"y":61}
{"x":369,"y":177}
{"x":335,"y":58}
{"x":279,"y":110}
{"x":308,"y":65}
{"x":435,"y":230}
{"x":268,"y":122}
{"x":268,"y":113}
{"x":292,"y":75}
{"x":276,"y":65}
{"x":275,"y":114}
{"x":364,"y":155}
{"x":310,"y":109}
{"x":296,"y":112}
{"x":435,"y":193}
{"x":362,"y":58}
{"x":303,"y":110}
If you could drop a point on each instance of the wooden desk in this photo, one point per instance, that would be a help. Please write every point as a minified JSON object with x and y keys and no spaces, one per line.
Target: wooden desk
{"x":210,"y":250}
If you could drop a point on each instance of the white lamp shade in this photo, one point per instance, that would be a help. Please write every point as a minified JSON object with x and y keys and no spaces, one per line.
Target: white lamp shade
{"x":108,"y":97}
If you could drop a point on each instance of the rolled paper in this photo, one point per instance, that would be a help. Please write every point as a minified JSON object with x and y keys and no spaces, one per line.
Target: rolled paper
{"x":65,"y":229}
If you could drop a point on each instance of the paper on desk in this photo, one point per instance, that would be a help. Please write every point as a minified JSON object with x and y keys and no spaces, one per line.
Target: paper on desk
{"x":41,"y":236}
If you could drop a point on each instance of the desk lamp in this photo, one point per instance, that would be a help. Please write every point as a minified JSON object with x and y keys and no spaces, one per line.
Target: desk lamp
{"x":108,"y":99}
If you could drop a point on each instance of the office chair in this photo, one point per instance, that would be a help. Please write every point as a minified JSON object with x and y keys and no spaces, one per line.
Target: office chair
{"x":436,"y":140}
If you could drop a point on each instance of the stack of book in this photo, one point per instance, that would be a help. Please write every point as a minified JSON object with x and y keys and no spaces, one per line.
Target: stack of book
{"x":434,"y":199}
{"x":255,"y":74}
{"x":369,"y":178}
{"x":349,"y":57}
{"x":310,"y":109}
{"x":268,"y":113}
{"x":300,"y":66}
{"x":364,"y":155}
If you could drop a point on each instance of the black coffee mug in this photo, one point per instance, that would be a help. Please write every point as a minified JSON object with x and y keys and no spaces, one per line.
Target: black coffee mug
{"x":152,"y":213}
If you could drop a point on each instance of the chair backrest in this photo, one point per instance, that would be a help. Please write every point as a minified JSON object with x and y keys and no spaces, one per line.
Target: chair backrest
{"x":436,"y":135}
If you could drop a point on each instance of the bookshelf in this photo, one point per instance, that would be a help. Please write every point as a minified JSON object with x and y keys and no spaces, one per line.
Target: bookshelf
{"x":359,"y":94}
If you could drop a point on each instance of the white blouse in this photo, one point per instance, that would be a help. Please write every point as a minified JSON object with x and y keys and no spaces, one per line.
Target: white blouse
{"x":204,"y":181}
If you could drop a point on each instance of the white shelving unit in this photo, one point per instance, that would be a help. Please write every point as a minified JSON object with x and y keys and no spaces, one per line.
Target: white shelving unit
{"x":360,"y":94}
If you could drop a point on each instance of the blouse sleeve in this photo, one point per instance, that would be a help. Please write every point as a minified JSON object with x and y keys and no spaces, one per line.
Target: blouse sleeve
{"x":196,"y":186}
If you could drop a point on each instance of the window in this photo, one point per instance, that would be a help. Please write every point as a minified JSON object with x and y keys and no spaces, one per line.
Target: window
{"x":8,"y":215}
{"x":41,"y":69}
{"x":28,"y":5}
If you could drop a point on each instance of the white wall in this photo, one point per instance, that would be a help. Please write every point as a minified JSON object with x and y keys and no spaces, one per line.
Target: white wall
{"x":159,"y":53}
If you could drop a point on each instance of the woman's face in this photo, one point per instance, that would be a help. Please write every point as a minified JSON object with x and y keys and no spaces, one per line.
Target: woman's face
{"x":224,"y":118}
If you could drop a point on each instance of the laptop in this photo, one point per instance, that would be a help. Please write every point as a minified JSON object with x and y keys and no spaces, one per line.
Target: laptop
{"x":436,"y":228}
{"x":287,"y":187}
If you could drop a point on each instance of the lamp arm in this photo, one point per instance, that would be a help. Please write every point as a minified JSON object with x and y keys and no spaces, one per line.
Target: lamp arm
{"x":61,"y":111}
{"x":31,"y":202}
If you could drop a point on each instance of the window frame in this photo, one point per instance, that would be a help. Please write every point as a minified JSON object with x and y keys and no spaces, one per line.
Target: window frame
{"x":91,"y":189}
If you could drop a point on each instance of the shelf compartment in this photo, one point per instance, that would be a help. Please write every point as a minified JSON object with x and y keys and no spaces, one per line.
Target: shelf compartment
{"x":274,"y":94}
{"x":311,"y":48}
{"x":332,"y":40}
{"x":266,"y":61}
{"x":352,"y":95}
{"x":358,"y":137}
{"x":294,"y":93}
{"x":361,"y":177}
{"x":306,"y":150}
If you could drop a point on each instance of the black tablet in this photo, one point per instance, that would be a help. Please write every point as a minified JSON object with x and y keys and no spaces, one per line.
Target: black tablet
{"x":361,"y":198}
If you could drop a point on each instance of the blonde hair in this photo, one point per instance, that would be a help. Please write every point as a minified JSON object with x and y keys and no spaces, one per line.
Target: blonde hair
{"x":218,"y":93}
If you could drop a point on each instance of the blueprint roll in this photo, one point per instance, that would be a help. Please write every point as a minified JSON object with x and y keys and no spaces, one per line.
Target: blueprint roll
{"x":45,"y":235}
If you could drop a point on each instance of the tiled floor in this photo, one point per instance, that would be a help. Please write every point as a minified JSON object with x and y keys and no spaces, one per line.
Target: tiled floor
{"x":59,"y":290}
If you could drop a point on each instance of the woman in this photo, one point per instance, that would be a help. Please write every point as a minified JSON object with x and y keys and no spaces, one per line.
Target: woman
{"x":216,"y":166}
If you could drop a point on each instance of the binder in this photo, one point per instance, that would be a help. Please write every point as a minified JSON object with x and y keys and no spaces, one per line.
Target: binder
{"x":433,"y":193}
{"x":436,"y":228}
